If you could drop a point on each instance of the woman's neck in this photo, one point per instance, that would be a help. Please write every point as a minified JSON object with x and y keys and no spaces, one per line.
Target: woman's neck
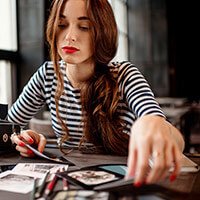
{"x":77,"y":74}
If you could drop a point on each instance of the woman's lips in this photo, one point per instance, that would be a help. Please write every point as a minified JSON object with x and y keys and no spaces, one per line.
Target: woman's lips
{"x":68,"y":49}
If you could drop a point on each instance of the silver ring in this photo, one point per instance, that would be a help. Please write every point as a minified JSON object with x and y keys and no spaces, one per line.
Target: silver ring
{"x":156,"y":154}
{"x":13,"y":135}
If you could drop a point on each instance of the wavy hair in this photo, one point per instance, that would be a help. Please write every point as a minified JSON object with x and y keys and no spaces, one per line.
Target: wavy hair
{"x":100,"y":98}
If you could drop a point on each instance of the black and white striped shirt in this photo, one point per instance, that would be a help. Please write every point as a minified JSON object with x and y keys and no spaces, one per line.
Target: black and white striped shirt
{"x":136,"y":99}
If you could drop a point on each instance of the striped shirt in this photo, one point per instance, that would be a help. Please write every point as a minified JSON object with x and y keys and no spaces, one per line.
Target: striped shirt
{"x":136,"y":99}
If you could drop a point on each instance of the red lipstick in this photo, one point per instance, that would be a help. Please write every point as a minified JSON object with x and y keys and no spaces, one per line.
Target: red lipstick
{"x":69,"y":49}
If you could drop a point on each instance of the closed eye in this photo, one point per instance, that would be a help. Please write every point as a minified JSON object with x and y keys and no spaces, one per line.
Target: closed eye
{"x":84,"y":28}
{"x":61,"y":25}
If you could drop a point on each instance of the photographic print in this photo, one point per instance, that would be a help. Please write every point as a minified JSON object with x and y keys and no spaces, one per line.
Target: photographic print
{"x":92,"y":177}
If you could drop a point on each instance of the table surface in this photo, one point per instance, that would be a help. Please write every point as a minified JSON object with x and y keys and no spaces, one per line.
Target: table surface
{"x":186,"y":186}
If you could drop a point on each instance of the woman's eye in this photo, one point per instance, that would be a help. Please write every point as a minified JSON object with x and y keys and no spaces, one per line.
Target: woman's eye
{"x":61,"y":25}
{"x":84,"y":28}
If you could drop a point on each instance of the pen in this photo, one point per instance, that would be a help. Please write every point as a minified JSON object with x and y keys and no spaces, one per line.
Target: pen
{"x":41,"y":188}
{"x":51,"y":185}
{"x":32,"y":197}
{"x":65,"y":184}
{"x":64,"y":180}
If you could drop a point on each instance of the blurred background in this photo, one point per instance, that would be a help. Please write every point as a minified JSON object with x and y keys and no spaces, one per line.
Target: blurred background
{"x":159,"y":36}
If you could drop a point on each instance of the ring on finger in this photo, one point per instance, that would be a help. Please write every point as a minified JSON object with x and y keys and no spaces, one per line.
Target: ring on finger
{"x":157,"y":154}
{"x":12,"y":136}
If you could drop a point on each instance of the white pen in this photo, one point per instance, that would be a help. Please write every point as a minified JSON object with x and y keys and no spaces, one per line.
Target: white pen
{"x":32,"y":197}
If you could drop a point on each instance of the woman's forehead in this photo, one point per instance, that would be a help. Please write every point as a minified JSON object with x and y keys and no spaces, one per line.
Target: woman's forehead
{"x":74,"y":9}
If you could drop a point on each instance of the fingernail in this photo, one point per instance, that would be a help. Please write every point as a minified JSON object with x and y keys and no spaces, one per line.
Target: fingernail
{"x":40,"y":150}
{"x":31,"y":140}
{"x":21,"y":144}
{"x":172,"y":178}
{"x":29,"y":152}
{"x":137,"y":184}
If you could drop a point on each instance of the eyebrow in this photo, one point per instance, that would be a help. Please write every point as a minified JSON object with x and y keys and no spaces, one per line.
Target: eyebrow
{"x":79,"y":18}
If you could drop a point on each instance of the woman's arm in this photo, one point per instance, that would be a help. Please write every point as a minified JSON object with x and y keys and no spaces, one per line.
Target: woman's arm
{"x":30,"y":100}
{"x":26,"y":106}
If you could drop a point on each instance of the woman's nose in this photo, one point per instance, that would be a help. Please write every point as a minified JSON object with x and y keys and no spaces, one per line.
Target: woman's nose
{"x":71,"y":35}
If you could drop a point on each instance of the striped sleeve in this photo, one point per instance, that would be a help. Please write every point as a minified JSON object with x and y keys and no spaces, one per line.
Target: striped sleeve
{"x":30,"y":100}
{"x":137,"y":92}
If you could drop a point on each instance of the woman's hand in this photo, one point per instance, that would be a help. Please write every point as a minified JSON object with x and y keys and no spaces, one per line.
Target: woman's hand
{"x":29,"y":137}
{"x":153,"y":137}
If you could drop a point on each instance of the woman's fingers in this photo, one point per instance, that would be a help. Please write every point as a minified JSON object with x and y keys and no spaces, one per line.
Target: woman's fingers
{"x":158,"y":158}
{"x":177,"y":163}
{"x":142,"y":165}
{"x":24,"y":151}
{"x":42,"y":143}
{"x":132,"y":160}
{"x":162,"y":161}
{"x":29,"y":137}
{"x":158,"y":171}
{"x":169,"y":161}
{"x":158,"y":167}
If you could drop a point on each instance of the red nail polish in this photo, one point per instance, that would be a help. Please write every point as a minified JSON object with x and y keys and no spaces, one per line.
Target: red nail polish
{"x":172,"y":178}
{"x":21,"y":144}
{"x":29,"y":152}
{"x":31,"y":141}
{"x":137,"y":184}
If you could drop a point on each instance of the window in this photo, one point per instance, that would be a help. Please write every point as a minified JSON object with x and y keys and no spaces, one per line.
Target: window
{"x":8,"y":33}
{"x":121,"y":18}
{"x":5,"y":86}
{"x":8,"y":48}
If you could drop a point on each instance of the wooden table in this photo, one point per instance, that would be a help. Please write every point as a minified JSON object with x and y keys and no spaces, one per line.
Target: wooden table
{"x":186,"y":186}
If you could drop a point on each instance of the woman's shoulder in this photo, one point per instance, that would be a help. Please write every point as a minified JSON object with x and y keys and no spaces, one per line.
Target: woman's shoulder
{"x":121,"y":67}
{"x":47,"y":66}
{"x":45,"y":71}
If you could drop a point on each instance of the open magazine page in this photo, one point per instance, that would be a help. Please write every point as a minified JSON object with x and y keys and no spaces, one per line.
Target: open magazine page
{"x":38,"y":170}
{"x":21,"y":177}
{"x":12,"y":182}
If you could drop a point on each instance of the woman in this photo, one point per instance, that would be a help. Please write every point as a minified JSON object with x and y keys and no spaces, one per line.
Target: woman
{"x":94,"y":102}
